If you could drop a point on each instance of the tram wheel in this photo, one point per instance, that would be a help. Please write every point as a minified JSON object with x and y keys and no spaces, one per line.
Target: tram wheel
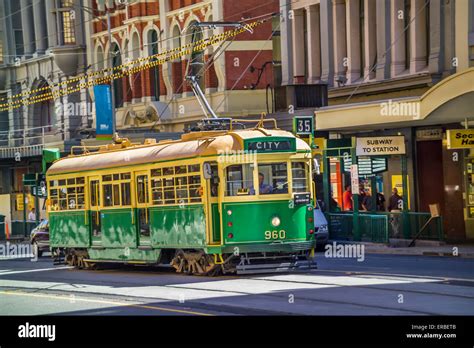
{"x":194,"y":263}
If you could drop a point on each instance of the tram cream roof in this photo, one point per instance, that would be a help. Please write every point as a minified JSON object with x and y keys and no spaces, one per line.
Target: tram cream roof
{"x":207,"y":145}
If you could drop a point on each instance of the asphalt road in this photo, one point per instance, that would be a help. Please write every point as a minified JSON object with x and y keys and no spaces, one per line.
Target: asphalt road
{"x":380,"y":285}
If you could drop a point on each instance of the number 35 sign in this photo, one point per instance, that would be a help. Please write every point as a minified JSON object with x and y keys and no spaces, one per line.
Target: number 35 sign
{"x":303,"y":125}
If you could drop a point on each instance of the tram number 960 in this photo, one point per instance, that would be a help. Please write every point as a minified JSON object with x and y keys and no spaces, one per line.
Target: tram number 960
{"x":275,"y":234}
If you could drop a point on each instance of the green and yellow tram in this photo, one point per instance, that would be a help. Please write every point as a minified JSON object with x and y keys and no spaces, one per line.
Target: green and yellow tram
{"x":217,"y":201}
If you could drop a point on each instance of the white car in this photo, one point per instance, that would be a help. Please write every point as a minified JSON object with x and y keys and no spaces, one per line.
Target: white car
{"x":321,"y":230}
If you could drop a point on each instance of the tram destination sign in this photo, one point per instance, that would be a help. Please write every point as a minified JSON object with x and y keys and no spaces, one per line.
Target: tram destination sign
{"x":380,"y":146}
{"x":271,"y":145}
{"x":302,"y":198}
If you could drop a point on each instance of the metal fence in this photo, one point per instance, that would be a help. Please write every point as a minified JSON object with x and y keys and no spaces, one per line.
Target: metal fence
{"x":17,"y":230}
{"x":416,"y":220}
{"x":379,"y":227}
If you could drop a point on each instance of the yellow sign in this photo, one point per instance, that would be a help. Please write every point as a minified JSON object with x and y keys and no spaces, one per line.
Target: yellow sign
{"x":397,"y":182}
{"x":19,"y":202}
{"x":460,"y":138}
{"x":319,"y":144}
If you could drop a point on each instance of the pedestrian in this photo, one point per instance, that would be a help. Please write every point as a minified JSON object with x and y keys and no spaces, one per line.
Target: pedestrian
{"x":380,"y":201}
{"x":32,"y":215}
{"x":396,"y":201}
{"x":367,"y":202}
{"x":395,"y":204}
{"x":347,"y":199}
{"x":333,"y":206}
{"x":362,"y":195}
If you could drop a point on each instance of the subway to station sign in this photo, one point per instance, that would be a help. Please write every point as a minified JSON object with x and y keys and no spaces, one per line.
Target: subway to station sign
{"x":380,"y":146}
{"x":460,"y":138}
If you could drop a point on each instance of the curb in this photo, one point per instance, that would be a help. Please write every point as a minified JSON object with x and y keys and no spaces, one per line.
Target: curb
{"x":419,"y":253}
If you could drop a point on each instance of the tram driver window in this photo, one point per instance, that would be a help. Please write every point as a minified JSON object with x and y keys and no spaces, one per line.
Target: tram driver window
{"x":300,"y":176}
{"x":272,"y":178}
{"x":239,"y":180}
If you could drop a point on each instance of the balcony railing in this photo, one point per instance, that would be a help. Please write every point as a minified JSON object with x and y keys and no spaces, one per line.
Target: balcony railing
{"x":28,"y":141}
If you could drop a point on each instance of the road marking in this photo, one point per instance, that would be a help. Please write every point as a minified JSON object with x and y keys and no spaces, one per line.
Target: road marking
{"x":36,"y":270}
{"x":123,"y":304}
{"x":371,"y":273}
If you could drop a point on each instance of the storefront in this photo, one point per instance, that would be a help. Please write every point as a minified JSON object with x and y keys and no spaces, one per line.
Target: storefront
{"x":438,"y":170}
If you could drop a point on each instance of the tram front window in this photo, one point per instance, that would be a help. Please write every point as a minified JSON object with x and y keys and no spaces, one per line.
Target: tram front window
{"x":300,"y":176}
{"x":273,"y":178}
{"x":239,"y":180}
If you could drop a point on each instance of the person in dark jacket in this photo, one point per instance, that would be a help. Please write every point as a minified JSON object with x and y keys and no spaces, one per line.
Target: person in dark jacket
{"x":396,"y":201}
{"x":380,"y":201}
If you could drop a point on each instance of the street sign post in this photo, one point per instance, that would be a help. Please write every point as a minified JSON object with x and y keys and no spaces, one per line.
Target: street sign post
{"x":354,"y":179}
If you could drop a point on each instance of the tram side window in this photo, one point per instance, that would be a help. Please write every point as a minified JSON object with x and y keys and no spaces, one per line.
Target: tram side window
{"x":95,"y":199}
{"x":181,"y":184}
{"x":176,"y":185}
{"x":239,"y":180}
{"x":67,"y":194}
{"x":273,"y":178}
{"x":142,"y":188}
{"x":300,"y":177}
{"x":195,"y":188}
{"x":116,"y":189}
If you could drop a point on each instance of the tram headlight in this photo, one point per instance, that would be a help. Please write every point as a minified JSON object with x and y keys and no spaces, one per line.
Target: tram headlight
{"x":276,"y":221}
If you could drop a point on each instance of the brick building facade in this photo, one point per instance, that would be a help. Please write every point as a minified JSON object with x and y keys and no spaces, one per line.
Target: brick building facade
{"x":159,"y":96}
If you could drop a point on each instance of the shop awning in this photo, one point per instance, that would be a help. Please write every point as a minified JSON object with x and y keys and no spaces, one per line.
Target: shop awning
{"x":449,"y":101}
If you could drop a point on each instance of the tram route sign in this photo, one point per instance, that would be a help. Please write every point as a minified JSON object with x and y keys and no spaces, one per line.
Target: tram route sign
{"x":303,"y":125}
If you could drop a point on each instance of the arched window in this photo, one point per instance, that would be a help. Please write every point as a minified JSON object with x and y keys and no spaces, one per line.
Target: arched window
{"x":154,"y":72}
{"x":117,"y":83}
{"x":100,"y":59}
{"x":176,"y":68}
{"x":41,"y":114}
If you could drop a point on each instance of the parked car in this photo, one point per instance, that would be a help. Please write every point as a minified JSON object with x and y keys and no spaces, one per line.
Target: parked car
{"x":39,"y":238}
{"x":321,"y":230}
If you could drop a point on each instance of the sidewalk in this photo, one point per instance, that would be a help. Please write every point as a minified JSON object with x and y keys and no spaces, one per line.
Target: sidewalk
{"x":423,"y":248}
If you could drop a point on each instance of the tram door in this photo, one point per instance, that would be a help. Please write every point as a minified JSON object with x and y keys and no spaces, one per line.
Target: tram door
{"x":213,"y":220}
{"x":94,"y":214}
{"x":142,"y":195}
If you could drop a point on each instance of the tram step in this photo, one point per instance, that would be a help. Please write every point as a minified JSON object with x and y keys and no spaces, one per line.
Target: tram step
{"x":275,"y":267}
